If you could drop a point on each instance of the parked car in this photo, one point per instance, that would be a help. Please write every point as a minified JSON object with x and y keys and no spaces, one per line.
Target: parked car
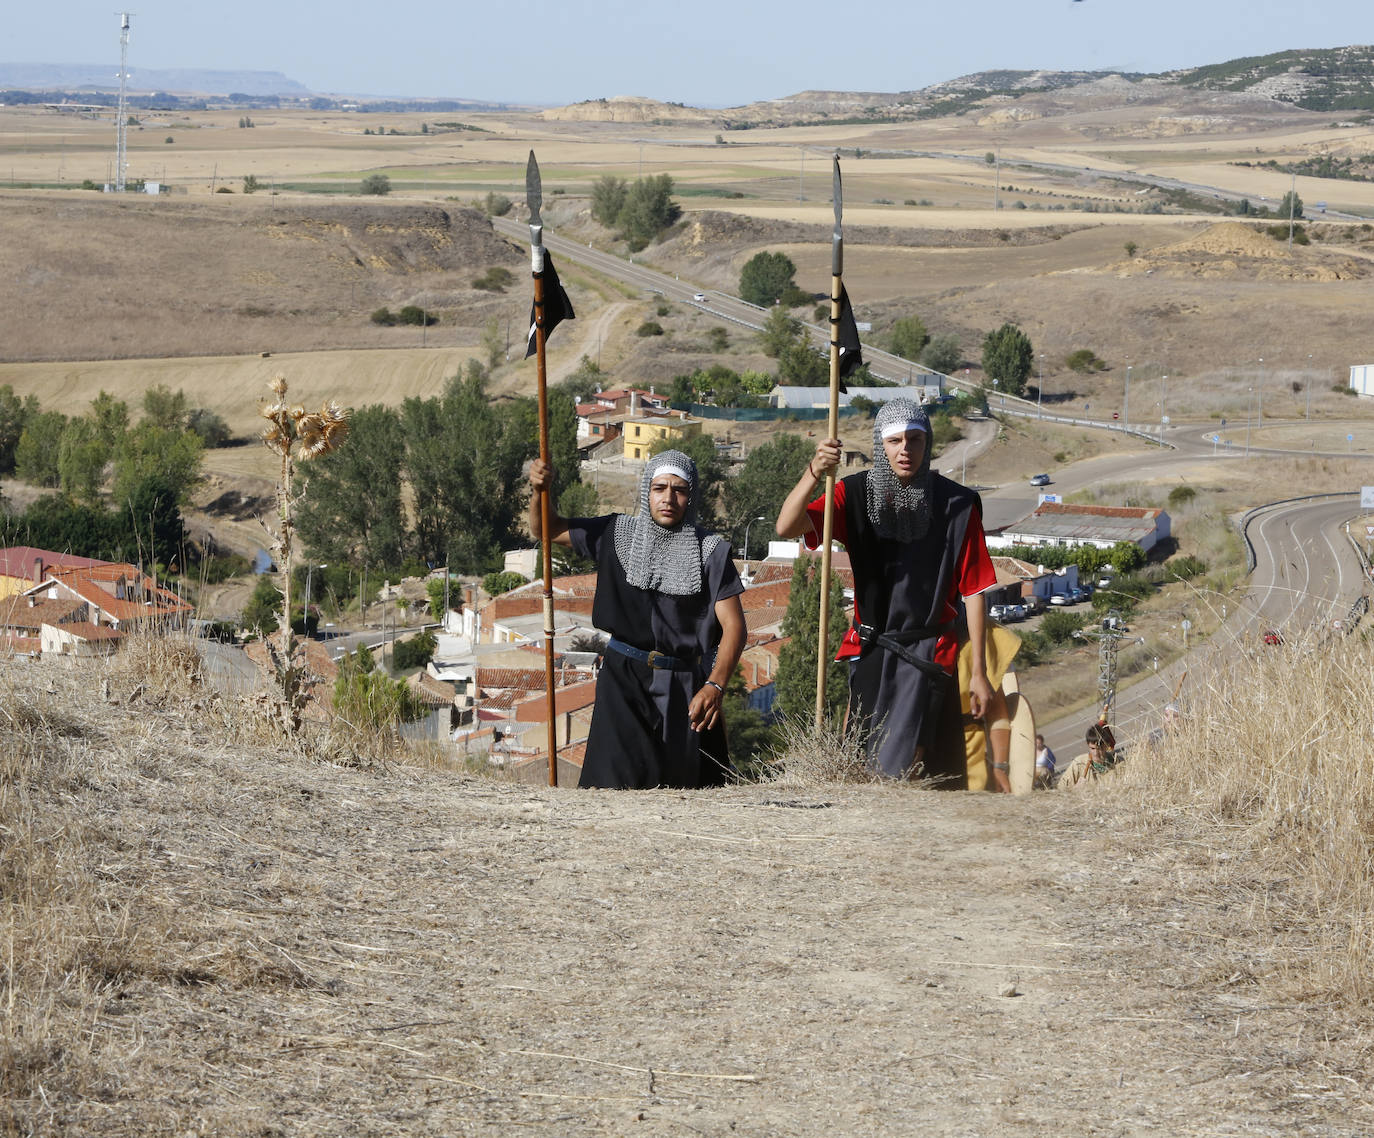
{"x":1077,"y":596}
{"x":997,"y":612}
{"x":1016,"y":612}
{"x":1040,"y":480}
{"x":699,"y":297}
{"x":1061,"y":599}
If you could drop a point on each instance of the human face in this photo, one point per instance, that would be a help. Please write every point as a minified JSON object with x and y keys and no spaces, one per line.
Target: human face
{"x":905,"y":453}
{"x":668,"y":497}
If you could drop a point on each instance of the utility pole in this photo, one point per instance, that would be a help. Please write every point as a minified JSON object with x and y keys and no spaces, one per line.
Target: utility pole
{"x":122,"y":126}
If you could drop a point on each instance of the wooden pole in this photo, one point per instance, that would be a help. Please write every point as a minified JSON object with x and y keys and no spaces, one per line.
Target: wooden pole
{"x":832,"y":431}
{"x":534,"y":198}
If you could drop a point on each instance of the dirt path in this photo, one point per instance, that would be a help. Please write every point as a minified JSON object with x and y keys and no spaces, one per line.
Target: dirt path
{"x":311,"y":949}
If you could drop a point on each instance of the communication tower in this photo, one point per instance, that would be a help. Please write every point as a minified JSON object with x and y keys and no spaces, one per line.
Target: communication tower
{"x":122,"y":123}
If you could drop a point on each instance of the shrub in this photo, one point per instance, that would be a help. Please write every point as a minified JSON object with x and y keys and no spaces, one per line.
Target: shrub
{"x":1057,"y":627}
{"x":1131,"y":248}
{"x":384,"y":316}
{"x":251,"y":185}
{"x":496,"y":205}
{"x":1085,"y":361}
{"x":943,"y":354}
{"x":376,"y":184}
{"x":218,"y":189}
{"x":663,"y":310}
{"x":495,"y":279}
{"x":1181,"y":495}
{"x":1187,"y":567}
{"x":413,"y":653}
{"x":497,"y":583}
{"x":719,"y":338}
{"x":649,"y":328}
{"x":414,"y":314}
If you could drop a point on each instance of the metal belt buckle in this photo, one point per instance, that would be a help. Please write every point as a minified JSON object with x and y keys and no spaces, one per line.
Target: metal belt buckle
{"x":653,"y":658}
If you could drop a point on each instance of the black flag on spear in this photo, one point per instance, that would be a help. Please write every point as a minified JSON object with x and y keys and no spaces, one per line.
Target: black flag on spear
{"x":557,"y":306}
{"x":847,"y":337}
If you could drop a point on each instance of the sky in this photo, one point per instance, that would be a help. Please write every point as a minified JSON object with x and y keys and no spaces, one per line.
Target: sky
{"x":711,"y":53}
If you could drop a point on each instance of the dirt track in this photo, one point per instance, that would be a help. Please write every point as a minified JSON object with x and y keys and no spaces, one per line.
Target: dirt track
{"x":307,"y":949}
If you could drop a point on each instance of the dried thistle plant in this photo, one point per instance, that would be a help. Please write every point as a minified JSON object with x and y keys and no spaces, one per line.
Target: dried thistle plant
{"x":296,"y":435}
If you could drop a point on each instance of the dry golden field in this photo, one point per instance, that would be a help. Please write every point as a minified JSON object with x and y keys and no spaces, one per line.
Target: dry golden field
{"x":199,"y":275}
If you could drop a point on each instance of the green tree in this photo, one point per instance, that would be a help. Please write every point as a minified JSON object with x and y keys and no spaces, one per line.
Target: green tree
{"x":251,"y":185}
{"x":758,"y":490}
{"x":369,"y":699}
{"x":164,"y":408}
{"x":649,"y":209}
{"x":1290,"y":201}
{"x":765,"y":277}
{"x":496,"y":205}
{"x":780,"y":331}
{"x":1007,"y":358}
{"x":209,"y":425}
{"x":264,"y":603}
{"x":493,"y":342}
{"x":111,"y":418}
{"x":351,"y":502}
{"x":35,"y":455}
{"x":752,"y":739}
{"x":153,"y":513}
{"x":503,"y":582}
{"x":803,"y":366}
{"x":943,"y":354}
{"x":796,"y":678}
{"x":608,"y":199}
{"x":149,"y":450}
{"x":909,"y":336}
{"x":376,"y":184}
{"x":81,"y":458}
{"x":14,"y":414}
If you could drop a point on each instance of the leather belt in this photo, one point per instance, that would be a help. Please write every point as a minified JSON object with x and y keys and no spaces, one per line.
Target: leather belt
{"x":653,"y":658}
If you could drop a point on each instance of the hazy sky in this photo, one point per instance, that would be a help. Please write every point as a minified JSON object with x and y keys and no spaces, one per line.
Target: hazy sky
{"x":707,"y":53}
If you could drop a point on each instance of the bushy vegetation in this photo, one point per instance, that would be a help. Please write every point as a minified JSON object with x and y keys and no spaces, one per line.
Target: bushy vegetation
{"x":495,"y":279}
{"x":369,"y":699}
{"x":768,"y":278}
{"x":639,"y":212}
{"x":1007,"y":359}
{"x":1084,"y":361}
{"x":378,"y":185}
{"x":503,"y":582}
{"x":413,"y":653}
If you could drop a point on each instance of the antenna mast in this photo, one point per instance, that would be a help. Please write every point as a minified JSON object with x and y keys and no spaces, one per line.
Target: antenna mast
{"x":122,"y":125}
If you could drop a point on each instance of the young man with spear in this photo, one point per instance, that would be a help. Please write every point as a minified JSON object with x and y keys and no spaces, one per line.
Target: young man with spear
{"x":916,"y":545}
{"x":668,"y":594}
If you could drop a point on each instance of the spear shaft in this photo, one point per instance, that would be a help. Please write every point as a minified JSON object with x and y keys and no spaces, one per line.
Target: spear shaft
{"x":832,"y":431}
{"x":534,"y":199}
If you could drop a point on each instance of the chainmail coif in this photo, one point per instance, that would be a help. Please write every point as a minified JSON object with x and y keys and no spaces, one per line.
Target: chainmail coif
{"x":656,"y":557}
{"x":901,"y":513}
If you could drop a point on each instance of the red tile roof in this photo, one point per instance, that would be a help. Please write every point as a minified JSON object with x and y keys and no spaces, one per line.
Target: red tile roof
{"x":17,"y":561}
{"x":518,"y":679}
{"x":17,"y":612}
{"x":85,"y":630}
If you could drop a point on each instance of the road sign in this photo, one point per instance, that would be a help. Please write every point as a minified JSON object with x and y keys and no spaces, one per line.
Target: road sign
{"x":1367,"y":497}
{"x":1185,"y":624}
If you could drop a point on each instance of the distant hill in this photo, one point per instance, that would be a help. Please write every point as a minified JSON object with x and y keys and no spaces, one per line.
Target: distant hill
{"x":1320,"y":79}
{"x":102,"y":77}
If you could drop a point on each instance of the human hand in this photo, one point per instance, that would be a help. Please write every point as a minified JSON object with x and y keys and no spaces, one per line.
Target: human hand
{"x":705,"y":709}
{"x":826,"y":458}
{"x":541,"y":476}
{"x":979,"y":694}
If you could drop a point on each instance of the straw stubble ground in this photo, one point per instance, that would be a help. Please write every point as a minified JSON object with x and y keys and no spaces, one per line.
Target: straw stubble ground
{"x":220,"y":939}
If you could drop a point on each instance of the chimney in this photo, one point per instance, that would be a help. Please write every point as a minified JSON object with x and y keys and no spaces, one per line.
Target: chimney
{"x":634,"y":404}
{"x":37,"y":570}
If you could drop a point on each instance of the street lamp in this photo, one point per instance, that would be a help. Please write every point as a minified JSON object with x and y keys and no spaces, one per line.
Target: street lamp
{"x":1249,"y":407}
{"x":1308,"y":385}
{"x":305,"y":612}
{"x":1259,"y":418}
{"x":1164,"y":401}
{"x":747,"y":524}
{"x":1040,"y":391}
{"x":1126,"y":405}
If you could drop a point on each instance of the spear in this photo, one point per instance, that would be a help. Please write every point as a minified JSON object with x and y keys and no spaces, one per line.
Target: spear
{"x":534,"y":198}
{"x":832,"y":430}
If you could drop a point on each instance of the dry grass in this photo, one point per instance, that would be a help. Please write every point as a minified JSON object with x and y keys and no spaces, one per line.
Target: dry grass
{"x":814,"y":756}
{"x":1274,"y":751}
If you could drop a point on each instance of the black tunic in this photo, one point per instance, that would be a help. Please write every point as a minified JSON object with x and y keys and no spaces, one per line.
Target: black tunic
{"x":903,"y":588}
{"x":640,"y":735}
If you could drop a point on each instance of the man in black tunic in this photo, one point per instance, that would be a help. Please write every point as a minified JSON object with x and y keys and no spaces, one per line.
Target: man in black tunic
{"x":916,"y":545}
{"x":668,"y":594}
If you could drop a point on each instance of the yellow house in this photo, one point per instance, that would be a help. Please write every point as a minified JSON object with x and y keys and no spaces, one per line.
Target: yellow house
{"x":642,"y":433}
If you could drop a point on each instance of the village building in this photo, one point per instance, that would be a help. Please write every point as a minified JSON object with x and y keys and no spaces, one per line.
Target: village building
{"x":1059,"y":523}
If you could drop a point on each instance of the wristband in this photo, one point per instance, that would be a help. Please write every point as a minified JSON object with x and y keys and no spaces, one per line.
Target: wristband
{"x":1001,"y":766}
{"x":713,"y":684}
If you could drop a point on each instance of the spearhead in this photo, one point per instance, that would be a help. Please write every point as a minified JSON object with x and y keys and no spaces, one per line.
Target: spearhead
{"x":837,"y":239}
{"x":534,"y":198}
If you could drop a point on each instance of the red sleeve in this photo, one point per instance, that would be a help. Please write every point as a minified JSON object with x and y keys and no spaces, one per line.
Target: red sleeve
{"x":974,"y":571}
{"x":816,"y":512}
